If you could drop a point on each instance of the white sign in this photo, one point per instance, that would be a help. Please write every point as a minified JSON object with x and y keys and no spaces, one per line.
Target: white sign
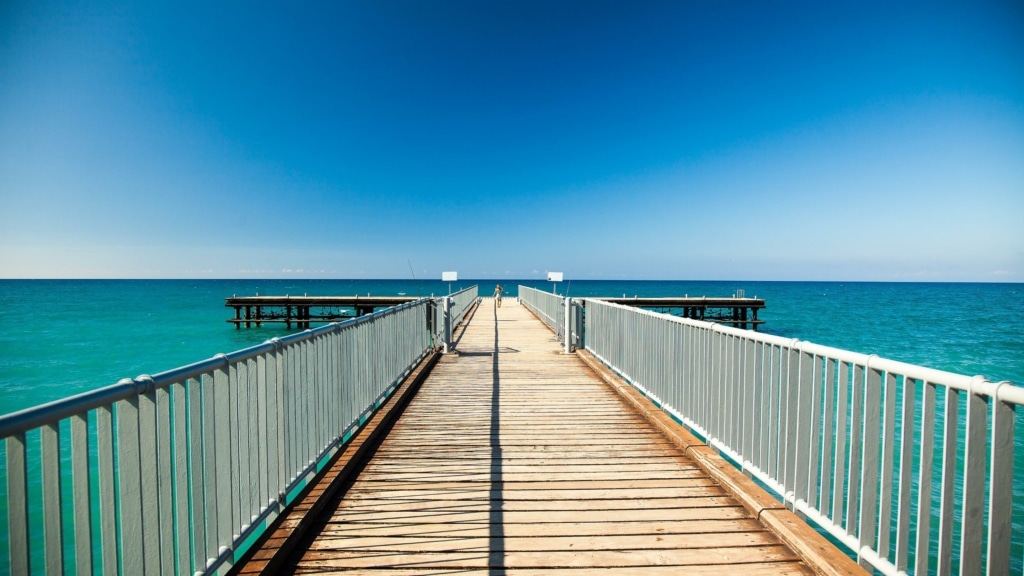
{"x":554,"y":276}
{"x":449,"y":276}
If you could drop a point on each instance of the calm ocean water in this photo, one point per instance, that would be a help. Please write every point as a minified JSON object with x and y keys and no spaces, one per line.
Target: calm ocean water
{"x":59,"y":338}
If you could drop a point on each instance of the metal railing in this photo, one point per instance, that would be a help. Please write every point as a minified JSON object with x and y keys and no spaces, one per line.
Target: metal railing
{"x":548,"y":307}
{"x":556,"y":312}
{"x":911,"y":468}
{"x":177,"y":472}
{"x":461,"y":302}
{"x":449,"y":312}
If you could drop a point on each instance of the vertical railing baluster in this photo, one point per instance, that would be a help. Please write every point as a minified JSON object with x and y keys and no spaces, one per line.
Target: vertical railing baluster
{"x":182,"y":518}
{"x":752,"y":386}
{"x":716,"y":403}
{"x":791,"y":415}
{"x":817,"y":434}
{"x":841,"y":470}
{"x":107,"y":496}
{"x":804,"y":477}
{"x":740,"y":398}
{"x":17,"y":504}
{"x":888,"y":457}
{"x":202,"y":478}
{"x":855,"y":466}
{"x":906,"y":477}
{"x":829,"y":435}
{"x":149,"y":475}
{"x":308,"y":403}
{"x":292,"y":397}
{"x":972,"y":510}
{"x":53,"y":513}
{"x":869,"y":489}
{"x":263,"y":439}
{"x":324,"y":391}
{"x":224,"y":471}
{"x":129,"y":482}
{"x":81,"y":492}
{"x":926,"y":460}
{"x":164,"y":477}
{"x":241,"y":433}
{"x":950,"y":415}
{"x":276,"y":429}
{"x":772,"y":437}
{"x":1000,"y":513}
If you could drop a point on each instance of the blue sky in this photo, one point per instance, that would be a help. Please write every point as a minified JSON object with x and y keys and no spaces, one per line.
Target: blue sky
{"x":674,"y":140}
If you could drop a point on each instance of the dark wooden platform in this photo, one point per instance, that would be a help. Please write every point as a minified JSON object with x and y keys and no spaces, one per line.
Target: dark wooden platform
{"x":304,"y":310}
{"x":737,"y":312}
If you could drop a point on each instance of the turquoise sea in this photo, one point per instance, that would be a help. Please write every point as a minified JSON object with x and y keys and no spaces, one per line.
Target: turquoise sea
{"x":63,"y":337}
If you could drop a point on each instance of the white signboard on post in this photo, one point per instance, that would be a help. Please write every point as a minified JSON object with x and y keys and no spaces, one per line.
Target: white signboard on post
{"x":449,"y":276}
{"x":554,"y":276}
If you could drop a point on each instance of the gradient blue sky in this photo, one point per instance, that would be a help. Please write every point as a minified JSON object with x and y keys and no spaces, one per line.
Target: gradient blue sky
{"x":676,"y":140}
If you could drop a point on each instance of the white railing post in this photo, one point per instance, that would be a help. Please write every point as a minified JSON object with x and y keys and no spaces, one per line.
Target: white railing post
{"x":568,"y":326}
{"x":446,"y":304}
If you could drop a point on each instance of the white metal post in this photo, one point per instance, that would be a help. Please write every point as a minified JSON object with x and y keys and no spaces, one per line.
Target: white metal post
{"x":447,"y":303}
{"x":568,"y":328}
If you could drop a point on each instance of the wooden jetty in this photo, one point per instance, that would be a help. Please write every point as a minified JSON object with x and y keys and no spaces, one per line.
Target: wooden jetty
{"x":512,"y":457}
{"x":738,"y":312}
{"x":303,"y":310}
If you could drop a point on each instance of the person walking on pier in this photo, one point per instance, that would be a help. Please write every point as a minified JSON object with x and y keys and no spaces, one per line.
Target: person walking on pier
{"x":497,"y":295}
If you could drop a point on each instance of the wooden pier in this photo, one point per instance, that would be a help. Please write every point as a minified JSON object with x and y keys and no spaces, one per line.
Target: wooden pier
{"x":736,"y":312}
{"x":511,"y":457}
{"x":304,"y":310}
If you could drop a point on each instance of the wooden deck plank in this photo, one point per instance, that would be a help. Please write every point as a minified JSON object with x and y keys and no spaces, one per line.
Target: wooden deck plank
{"x":576,"y":492}
{"x":514,"y":456}
{"x":577,"y":543}
{"x":769,"y":569}
{"x":543,"y":529}
{"x":623,"y":558}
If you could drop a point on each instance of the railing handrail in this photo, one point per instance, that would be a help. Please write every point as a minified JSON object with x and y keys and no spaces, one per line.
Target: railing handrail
{"x":1002,"y":390}
{"x":545,"y":306}
{"x":43,"y":414}
{"x":462,"y":300}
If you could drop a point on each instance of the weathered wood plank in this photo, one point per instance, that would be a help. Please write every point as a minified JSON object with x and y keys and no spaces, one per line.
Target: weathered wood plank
{"x":579,"y":491}
{"x":495,"y":516}
{"x":630,"y":558}
{"x":369,"y":507}
{"x":484,"y":543}
{"x":542,"y":529}
{"x":368,"y":486}
{"x":759,"y":569}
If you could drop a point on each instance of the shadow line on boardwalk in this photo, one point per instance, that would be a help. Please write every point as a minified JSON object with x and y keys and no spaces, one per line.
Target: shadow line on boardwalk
{"x":496,"y":537}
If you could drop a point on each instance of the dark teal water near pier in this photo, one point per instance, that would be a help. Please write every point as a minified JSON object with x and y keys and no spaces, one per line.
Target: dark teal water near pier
{"x":63,"y":337}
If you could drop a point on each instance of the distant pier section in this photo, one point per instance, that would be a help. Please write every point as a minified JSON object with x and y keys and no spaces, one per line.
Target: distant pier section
{"x":738,"y":311}
{"x":303,"y":310}
{"x":300,"y":311}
